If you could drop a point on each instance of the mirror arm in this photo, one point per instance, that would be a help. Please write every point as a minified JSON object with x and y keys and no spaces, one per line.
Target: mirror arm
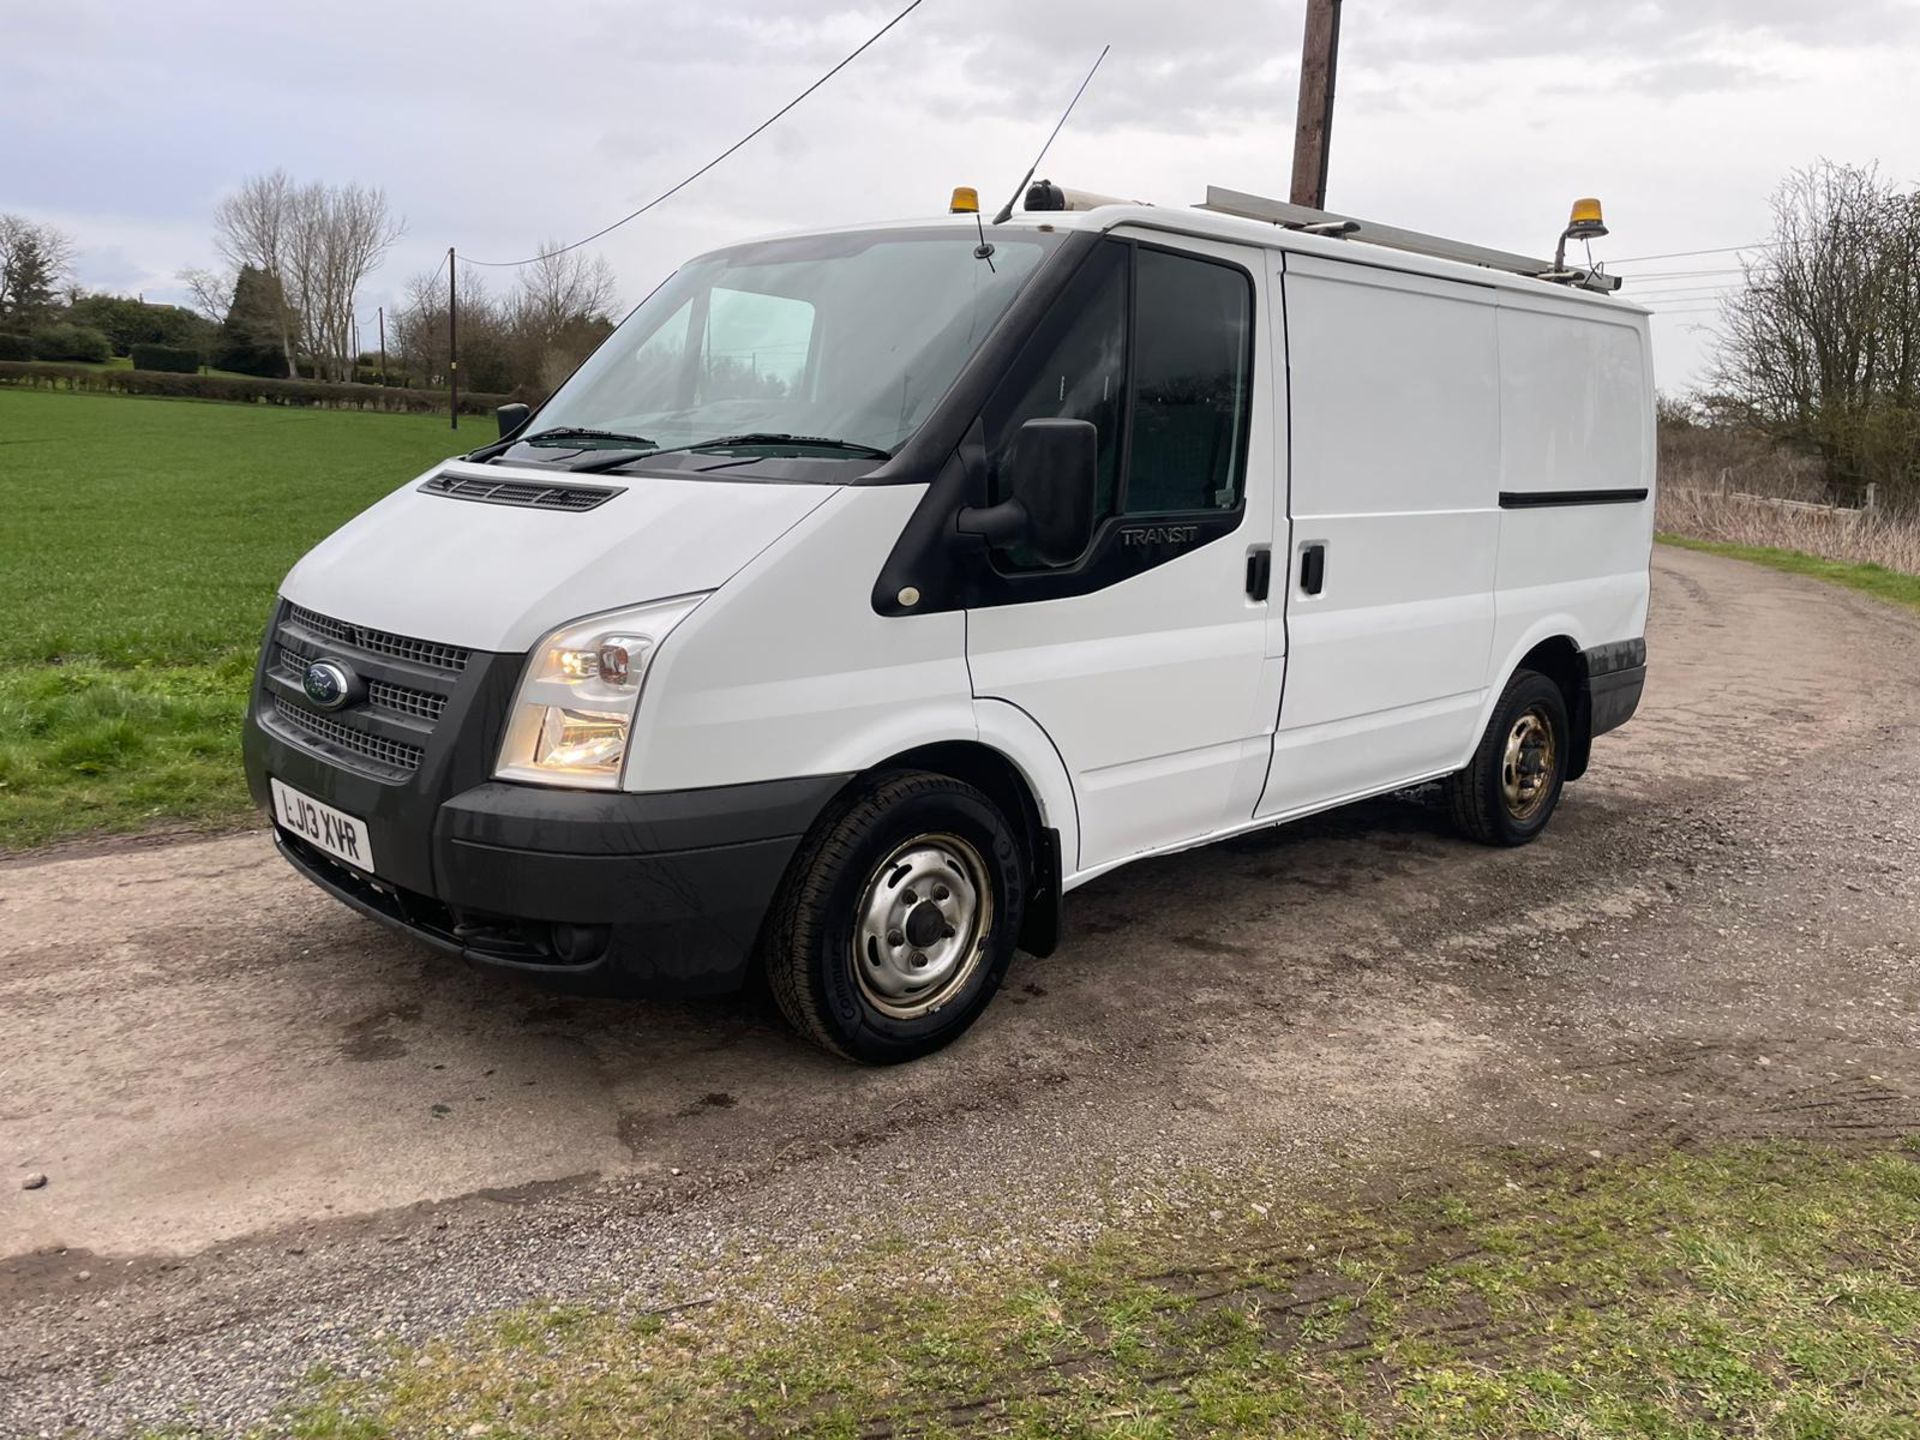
{"x":1001,"y":525}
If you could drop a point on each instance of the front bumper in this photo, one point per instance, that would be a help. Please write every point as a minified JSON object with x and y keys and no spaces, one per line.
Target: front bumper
{"x":663,"y":892}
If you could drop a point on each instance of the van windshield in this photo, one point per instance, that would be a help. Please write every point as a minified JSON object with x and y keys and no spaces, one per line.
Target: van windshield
{"x":844,"y":343}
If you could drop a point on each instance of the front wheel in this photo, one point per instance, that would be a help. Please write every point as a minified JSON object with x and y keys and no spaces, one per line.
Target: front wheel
{"x":897,"y":918}
{"x":1509,"y":791}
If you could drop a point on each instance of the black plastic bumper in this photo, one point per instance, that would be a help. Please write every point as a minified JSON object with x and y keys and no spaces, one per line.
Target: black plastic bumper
{"x":661,"y":892}
{"x":1616,"y":676}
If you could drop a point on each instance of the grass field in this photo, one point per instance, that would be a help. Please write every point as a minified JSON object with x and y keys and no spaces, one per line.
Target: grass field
{"x":1758,"y":1290}
{"x":141,"y":548}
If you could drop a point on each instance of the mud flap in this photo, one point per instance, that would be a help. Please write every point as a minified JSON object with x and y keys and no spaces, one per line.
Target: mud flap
{"x":1040,"y":926}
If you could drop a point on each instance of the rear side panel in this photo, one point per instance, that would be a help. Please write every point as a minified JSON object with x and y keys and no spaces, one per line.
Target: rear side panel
{"x":1576,"y":476}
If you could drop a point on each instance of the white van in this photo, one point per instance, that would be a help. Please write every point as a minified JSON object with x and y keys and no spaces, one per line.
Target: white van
{"x":869,"y":590}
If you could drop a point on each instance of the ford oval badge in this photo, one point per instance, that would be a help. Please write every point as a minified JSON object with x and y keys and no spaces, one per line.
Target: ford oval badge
{"x":327,"y":684}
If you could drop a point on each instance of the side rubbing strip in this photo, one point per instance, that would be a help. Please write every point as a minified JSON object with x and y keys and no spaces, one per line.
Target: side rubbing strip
{"x":1533,"y":499}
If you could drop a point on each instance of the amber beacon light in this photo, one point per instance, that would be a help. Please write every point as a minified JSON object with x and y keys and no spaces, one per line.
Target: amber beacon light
{"x":966,"y":201}
{"x":1584,"y":223}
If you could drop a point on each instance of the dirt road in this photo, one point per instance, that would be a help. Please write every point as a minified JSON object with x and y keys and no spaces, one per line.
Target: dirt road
{"x":274,"y":1132}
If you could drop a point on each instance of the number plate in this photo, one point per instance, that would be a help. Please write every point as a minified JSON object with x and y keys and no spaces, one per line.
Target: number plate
{"x":340,"y":835}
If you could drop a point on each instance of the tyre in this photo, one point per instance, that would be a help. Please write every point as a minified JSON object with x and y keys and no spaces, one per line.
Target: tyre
{"x":1509,"y":791}
{"x":897,"y":918}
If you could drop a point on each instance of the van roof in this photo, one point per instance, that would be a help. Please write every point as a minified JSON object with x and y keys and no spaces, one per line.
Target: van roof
{"x":1234,"y":229}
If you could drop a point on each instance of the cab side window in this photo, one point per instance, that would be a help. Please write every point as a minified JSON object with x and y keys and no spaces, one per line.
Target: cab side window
{"x":1073,"y":368}
{"x":1189,"y":392}
{"x":1154,"y":348}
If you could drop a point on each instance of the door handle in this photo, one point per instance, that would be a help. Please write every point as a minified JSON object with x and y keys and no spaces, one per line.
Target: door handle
{"x":1313,"y":567}
{"x":1259,"y":572}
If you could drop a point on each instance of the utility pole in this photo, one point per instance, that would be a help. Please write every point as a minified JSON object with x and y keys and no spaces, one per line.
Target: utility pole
{"x":1313,"y":129}
{"x":380,"y":313}
{"x":453,"y":348}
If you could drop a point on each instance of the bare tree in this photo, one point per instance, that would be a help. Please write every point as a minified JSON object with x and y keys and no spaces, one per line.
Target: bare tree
{"x":561,"y":287}
{"x":525,"y":343}
{"x":35,"y":260}
{"x":563,"y":309}
{"x":211,"y":291}
{"x":250,"y":228}
{"x":417,"y":333}
{"x":1822,"y":344}
{"x":319,"y":243}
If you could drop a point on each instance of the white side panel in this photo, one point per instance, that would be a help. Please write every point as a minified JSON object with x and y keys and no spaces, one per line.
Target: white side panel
{"x":1395,"y":459}
{"x":1576,"y":415}
{"x":788,"y":671}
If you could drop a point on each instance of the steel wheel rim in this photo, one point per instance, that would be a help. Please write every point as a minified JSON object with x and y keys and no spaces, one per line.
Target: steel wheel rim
{"x":1528,"y":764}
{"x":922,"y":925}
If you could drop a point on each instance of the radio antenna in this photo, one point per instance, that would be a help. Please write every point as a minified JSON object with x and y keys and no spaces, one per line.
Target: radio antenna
{"x":1006,"y":210}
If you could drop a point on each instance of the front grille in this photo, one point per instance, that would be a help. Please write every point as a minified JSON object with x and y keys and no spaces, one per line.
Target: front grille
{"x":385,"y":729}
{"x":394,"y":754}
{"x":401,"y":699}
{"x":381,"y":642}
{"x":420,"y":704}
{"x":530,"y":493}
{"x":292,"y":663}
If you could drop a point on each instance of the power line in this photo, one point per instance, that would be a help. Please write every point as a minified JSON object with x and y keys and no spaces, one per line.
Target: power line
{"x":1682,"y":283}
{"x":738,"y":144}
{"x":1655,"y":302}
{"x":1677,"y":287}
{"x":1714,"y":250}
{"x":1638,"y":276}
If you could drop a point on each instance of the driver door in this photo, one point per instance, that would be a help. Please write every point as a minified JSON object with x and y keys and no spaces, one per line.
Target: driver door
{"x":1144,"y":660}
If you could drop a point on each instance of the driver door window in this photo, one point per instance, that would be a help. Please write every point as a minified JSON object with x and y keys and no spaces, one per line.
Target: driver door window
{"x":1155,"y":349}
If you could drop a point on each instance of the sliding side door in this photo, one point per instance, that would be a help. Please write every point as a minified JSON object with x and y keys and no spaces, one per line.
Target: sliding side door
{"x":1394,"y":415}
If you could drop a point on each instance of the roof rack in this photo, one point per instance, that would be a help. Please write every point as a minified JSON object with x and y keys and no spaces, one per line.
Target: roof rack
{"x":1325,"y":222}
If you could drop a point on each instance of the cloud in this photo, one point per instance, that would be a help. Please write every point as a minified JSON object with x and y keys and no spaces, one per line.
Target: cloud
{"x":1672,"y":78}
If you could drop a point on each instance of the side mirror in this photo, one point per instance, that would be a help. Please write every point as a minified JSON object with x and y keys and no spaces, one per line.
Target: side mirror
{"x":1052,"y":479}
{"x":511,"y":418}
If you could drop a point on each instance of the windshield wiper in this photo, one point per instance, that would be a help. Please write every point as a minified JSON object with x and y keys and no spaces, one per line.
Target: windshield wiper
{"x":562,"y":433}
{"x":751,"y":437}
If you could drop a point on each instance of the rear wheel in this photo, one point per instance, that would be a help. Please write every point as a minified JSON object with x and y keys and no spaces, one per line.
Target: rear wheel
{"x":1509,"y":791}
{"x":897,"y":918}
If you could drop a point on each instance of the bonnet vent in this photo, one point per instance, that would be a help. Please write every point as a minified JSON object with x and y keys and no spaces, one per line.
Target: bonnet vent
{"x":528,"y":493}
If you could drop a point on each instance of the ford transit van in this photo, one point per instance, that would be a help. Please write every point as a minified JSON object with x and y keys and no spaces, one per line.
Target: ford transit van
{"x":867,"y":591}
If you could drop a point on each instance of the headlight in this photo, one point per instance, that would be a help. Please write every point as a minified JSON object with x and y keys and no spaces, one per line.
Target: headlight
{"x":574,"y":709}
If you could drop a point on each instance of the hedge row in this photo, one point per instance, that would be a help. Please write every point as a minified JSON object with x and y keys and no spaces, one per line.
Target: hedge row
{"x":259,"y":391}
{"x":72,"y":342}
{"x":172,"y":359}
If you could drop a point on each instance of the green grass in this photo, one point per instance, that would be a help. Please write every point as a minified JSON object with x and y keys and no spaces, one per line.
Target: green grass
{"x":1875,"y":580}
{"x":1760,"y":1290}
{"x":142,"y":545}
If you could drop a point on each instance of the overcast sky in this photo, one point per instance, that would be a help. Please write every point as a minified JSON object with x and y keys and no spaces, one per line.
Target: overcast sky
{"x":494,"y":126}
